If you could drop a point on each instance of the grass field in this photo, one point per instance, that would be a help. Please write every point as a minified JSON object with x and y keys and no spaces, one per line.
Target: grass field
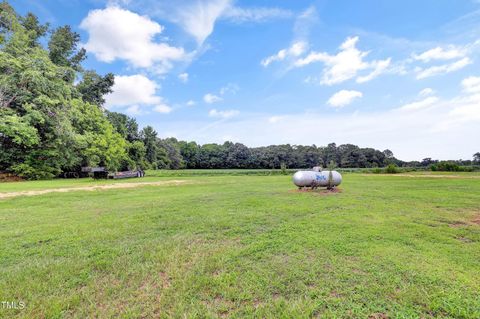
{"x":240,"y":246}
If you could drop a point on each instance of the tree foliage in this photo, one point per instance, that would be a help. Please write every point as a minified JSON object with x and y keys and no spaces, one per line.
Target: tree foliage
{"x":45,"y":128}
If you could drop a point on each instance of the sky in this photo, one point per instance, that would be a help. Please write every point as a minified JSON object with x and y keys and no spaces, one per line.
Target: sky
{"x":401,"y":75}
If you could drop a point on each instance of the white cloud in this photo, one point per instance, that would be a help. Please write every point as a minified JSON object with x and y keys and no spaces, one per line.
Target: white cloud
{"x":439,"y":53}
{"x":379,"y":67}
{"x":343,"y":98}
{"x":258,"y":14}
{"x":422,"y":104}
{"x":191,"y":103}
{"x":304,"y":22}
{"x":132,"y":89}
{"x":133,"y":110}
{"x":116,"y":33}
{"x":211,"y":98}
{"x":230,"y":88}
{"x":223,"y":114}
{"x":198,"y":17}
{"x":471,"y":84}
{"x":163,"y":108}
{"x":183,"y":77}
{"x":346,"y":64}
{"x":426,"y":92}
{"x":295,"y":50}
{"x":442,"y":69}
{"x":275,"y":119}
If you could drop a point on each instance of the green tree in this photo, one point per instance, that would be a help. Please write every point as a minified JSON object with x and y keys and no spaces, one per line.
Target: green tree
{"x":172,"y":150}
{"x":137,"y":152}
{"x":476,"y":157}
{"x":34,"y":28}
{"x":100,"y":144}
{"x":64,"y":52}
{"x":189,"y":151}
{"x":155,"y":155}
{"x":45,"y":128}
{"x":93,"y":87}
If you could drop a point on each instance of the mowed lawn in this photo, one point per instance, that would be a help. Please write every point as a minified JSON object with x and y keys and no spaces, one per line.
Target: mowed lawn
{"x":244,"y":246}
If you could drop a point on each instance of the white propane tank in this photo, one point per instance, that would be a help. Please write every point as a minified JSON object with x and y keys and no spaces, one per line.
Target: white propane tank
{"x":316,"y":179}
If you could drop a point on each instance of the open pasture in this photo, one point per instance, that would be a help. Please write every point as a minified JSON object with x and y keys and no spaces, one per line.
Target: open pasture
{"x":224,"y":246}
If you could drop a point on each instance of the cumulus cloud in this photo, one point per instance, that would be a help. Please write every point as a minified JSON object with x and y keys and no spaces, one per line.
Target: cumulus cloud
{"x":163,"y":108}
{"x":183,"y":77}
{"x":295,"y":50}
{"x":423,"y":73}
{"x":115,"y":33}
{"x":471,"y":84}
{"x":343,"y":98}
{"x":226,"y":114}
{"x":346,"y":64}
{"x":133,"y":110}
{"x":456,"y":56}
{"x":132,"y":89}
{"x":211,"y":98}
{"x":230,"y":88}
{"x":379,"y":67}
{"x":191,"y":103}
{"x":440,"y":53}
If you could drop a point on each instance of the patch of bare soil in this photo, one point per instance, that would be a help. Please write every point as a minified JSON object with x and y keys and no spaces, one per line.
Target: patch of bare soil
{"x":464,"y":239}
{"x":378,"y":315}
{"x":91,"y":188}
{"x":320,"y":191}
{"x":166,"y":282}
{"x":457,"y":224}
{"x":476,"y":220}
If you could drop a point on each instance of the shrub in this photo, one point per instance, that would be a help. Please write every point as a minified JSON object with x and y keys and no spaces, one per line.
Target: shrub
{"x":392,"y":169}
{"x":446,"y":167}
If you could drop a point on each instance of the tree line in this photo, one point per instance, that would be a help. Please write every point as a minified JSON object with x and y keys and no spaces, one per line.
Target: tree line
{"x":52,"y":118}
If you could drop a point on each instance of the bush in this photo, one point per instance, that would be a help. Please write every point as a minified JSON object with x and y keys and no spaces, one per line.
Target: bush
{"x":445,"y":167}
{"x":392,"y":169}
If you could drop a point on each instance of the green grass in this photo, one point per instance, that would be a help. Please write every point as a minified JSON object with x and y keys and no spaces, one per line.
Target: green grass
{"x":244,"y":246}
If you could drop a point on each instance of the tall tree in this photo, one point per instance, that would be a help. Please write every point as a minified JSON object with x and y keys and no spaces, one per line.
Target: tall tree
{"x":44,"y":127}
{"x":64,"y":52}
{"x":34,"y":28}
{"x":476,"y":157}
{"x":94,"y":87}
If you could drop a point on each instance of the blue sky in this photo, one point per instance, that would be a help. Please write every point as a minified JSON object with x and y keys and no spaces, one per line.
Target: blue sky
{"x":402,"y":75}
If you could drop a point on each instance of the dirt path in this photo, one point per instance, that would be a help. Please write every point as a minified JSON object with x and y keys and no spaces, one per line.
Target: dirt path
{"x":90,"y":188}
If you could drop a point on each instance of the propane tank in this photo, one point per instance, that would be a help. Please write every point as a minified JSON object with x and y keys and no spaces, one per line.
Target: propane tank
{"x":317,"y":179}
